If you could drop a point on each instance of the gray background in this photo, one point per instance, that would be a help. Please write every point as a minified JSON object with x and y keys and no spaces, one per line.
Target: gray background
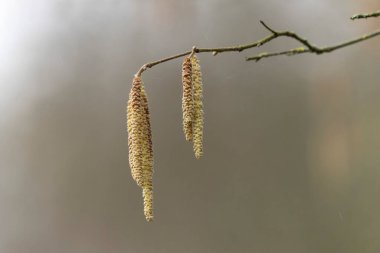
{"x":292,"y":144}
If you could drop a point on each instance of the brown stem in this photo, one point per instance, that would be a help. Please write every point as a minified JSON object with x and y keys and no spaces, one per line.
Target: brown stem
{"x":309,"y":48}
{"x":314,"y":49}
{"x":366,"y":15}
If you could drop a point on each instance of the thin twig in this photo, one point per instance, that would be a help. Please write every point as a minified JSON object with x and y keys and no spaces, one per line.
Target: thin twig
{"x":366,"y":15}
{"x":309,"y":48}
{"x":291,"y":52}
{"x":313,"y":49}
{"x":209,"y":50}
{"x":294,"y":36}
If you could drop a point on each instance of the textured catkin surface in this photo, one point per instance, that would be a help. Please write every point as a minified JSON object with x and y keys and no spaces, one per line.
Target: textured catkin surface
{"x":134,"y":125}
{"x":187,"y":99}
{"x":147,"y":163}
{"x":148,"y":202}
{"x":140,"y":143}
{"x":198,"y":107}
{"x":147,"y":136}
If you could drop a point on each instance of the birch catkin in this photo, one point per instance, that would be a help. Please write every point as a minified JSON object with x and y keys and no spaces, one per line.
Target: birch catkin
{"x":187,"y":99}
{"x":140,"y":143}
{"x":198,"y":107}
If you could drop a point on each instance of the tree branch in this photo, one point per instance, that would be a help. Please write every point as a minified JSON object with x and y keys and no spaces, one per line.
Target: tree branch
{"x":214,"y":51}
{"x":308,"y":47}
{"x":366,"y":15}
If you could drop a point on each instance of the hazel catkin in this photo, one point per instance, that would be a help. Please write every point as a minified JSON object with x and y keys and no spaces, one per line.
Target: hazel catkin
{"x":198,"y":107}
{"x":147,"y":163}
{"x":134,"y":123}
{"x":140,"y":143}
{"x":187,"y":99}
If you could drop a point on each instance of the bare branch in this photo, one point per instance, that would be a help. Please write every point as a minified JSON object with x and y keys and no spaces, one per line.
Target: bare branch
{"x":366,"y":15}
{"x":308,"y":47}
{"x":215,"y":51}
{"x":314,"y":49}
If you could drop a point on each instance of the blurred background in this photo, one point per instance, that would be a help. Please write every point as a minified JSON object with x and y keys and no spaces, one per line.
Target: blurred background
{"x":291,"y":144}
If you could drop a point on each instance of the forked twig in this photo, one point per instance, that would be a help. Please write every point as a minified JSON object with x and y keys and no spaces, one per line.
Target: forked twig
{"x":306,"y":48}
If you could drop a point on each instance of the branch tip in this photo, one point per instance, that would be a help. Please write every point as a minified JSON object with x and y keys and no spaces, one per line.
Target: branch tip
{"x":268,"y":28}
{"x":366,"y":15}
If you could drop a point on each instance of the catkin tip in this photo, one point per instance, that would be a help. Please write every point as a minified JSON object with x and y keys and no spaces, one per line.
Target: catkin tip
{"x":148,"y":203}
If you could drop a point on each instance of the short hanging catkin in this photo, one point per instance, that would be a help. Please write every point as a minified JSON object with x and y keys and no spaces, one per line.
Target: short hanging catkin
{"x":198,"y":107}
{"x":187,"y":99}
{"x":140,"y":143}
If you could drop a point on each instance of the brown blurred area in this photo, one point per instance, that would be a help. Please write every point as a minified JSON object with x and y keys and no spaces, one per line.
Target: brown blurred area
{"x":292,"y":144}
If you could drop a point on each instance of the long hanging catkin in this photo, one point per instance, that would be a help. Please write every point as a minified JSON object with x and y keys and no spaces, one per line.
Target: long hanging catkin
{"x":147,"y":159}
{"x":134,"y":123}
{"x":198,"y":107}
{"x":140,"y":143}
{"x":187,"y":99}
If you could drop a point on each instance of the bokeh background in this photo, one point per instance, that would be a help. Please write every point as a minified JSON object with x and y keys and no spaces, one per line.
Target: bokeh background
{"x":292,"y":144}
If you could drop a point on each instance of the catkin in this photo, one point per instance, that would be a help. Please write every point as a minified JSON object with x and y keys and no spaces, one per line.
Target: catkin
{"x":198,"y":107}
{"x":187,"y":99}
{"x":134,"y":124}
{"x":140,"y":143}
{"x":147,"y":159}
